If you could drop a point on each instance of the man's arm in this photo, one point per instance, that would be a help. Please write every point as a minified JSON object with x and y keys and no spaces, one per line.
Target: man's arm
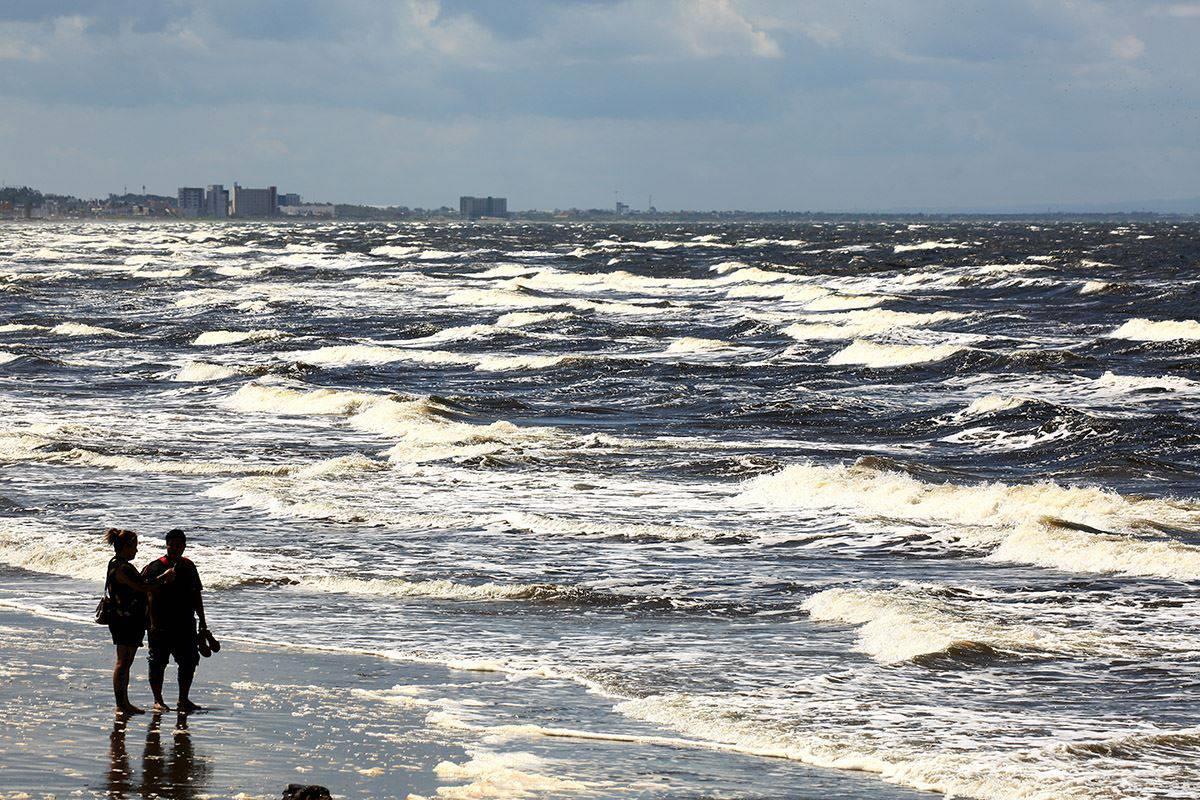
{"x":198,"y":601}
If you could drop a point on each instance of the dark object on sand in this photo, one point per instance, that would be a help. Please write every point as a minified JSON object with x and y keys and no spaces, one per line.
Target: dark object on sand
{"x":298,"y":791}
{"x":207,"y":644}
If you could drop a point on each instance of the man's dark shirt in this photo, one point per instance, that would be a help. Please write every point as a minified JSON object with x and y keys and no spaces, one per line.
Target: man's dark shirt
{"x":171,"y":606}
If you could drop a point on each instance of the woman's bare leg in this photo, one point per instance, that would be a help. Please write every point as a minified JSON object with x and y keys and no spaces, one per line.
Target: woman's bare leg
{"x":125,"y":657}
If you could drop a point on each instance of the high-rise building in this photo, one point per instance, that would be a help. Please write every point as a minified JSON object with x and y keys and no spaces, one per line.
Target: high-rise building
{"x":191,"y":201}
{"x":216,"y":202}
{"x":254,"y":202}
{"x":476,"y":207}
{"x":289,"y":199}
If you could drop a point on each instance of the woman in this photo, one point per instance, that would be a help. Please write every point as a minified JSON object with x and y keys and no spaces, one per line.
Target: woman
{"x":126,"y":590}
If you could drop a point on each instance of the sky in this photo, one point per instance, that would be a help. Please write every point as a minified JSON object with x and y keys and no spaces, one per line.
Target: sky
{"x":701,"y":104}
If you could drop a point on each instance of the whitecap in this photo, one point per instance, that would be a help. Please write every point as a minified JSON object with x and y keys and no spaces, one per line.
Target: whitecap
{"x":881,"y":356}
{"x":1146,"y":330}
{"x":214,"y":338}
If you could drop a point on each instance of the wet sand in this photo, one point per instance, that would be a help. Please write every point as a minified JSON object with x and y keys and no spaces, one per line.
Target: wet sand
{"x":364,"y":727}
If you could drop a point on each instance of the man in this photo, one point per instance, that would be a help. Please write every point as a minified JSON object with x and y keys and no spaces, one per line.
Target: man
{"x":173,"y":612}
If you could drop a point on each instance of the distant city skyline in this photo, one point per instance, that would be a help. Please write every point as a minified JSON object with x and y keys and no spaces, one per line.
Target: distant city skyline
{"x":704,"y":104}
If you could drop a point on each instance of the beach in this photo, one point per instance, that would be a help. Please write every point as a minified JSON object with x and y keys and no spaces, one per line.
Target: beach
{"x":363,"y":727}
{"x":830,"y":509}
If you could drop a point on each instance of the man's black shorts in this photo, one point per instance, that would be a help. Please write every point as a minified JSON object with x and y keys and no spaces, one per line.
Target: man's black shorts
{"x":179,"y":643}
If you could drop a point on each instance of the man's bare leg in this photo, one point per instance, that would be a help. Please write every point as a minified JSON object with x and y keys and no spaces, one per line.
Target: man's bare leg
{"x":186,"y":674}
{"x":156,"y":686}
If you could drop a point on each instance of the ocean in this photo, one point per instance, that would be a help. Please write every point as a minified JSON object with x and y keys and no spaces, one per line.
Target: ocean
{"x":915,"y":500}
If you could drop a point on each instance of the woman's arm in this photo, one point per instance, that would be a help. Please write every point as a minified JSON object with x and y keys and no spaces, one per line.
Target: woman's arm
{"x":130,"y":577}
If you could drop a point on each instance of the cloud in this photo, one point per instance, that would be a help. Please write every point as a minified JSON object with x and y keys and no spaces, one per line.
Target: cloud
{"x":717,"y":27}
{"x":1128,"y":48}
{"x":690,"y":92}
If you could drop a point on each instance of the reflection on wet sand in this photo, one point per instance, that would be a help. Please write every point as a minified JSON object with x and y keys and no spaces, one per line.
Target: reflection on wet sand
{"x":174,"y":772}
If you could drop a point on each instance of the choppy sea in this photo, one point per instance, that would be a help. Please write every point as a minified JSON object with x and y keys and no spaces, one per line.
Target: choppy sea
{"x":917,"y":500}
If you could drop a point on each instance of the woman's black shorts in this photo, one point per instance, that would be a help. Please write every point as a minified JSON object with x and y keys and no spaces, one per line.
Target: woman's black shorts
{"x":126,"y":634}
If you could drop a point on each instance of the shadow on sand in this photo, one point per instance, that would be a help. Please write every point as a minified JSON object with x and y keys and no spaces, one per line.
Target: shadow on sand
{"x":174,"y":771}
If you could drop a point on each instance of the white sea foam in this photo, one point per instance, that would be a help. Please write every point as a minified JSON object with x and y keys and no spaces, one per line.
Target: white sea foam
{"x":854,"y":324}
{"x":942,"y":767}
{"x":39,"y":547}
{"x":904,"y":623}
{"x":424,"y":431}
{"x":790,"y":293}
{"x":886,"y":493}
{"x":395,"y":251}
{"x":930,"y":245}
{"x":879,"y":356}
{"x":214,"y":338}
{"x":13,"y":327}
{"x":1042,"y":523}
{"x":201,"y":371}
{"x":1135,"y":383}
{"x":692,"y":344}
{"x":7,"y":357}
{"x":845,"y":302}
{"x":517,"y":319}
{"x":79,"y":329}
{"x":441,"y":589}
{"x":506,"y":363}
{"x":1094,"y":287}
{"x":991,"y":404}
{"x":1146,"y":330}
{"x":503,"y":776}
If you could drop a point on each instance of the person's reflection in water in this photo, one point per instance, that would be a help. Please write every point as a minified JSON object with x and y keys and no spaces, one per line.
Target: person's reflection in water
{"x":177,"y":774}
{"x":120,"y":781}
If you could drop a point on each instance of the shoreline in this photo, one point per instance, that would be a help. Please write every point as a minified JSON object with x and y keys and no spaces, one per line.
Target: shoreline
{"x":362,"y":725}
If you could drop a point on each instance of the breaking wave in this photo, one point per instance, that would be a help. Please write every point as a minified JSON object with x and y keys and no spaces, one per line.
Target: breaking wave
{"x":1145,"y":330}
{"x":79,"y":329}
{"x":855,"y":324}
{"x":907,"y":623}
{"x":1044,"y":523}
{"x":423,"y":426}
{"x":881,"y":356}
{"x":212,"y":338}
{"x":201,"y":372}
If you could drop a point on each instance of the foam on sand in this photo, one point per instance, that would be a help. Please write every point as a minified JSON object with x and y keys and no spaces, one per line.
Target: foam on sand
{"x":213,"y":338}
{"x":1145,"y":330}
{"x":880,"y":356}
{"x":966,"y":769}
{"x":500,"y":776}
